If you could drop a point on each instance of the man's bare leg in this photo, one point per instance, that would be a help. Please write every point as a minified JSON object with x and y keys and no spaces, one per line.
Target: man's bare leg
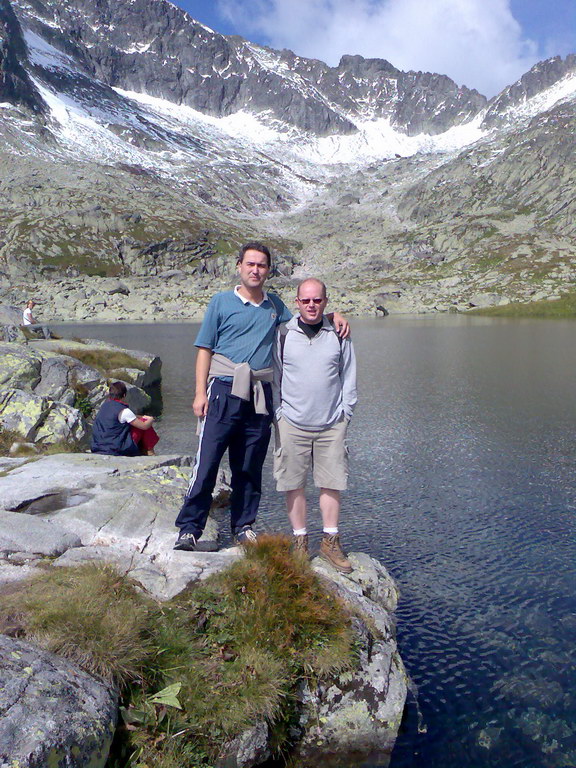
{"x":296,"y":506}
{"x":330,"y":508}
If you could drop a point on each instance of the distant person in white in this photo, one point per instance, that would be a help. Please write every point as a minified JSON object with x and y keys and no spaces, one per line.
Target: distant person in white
{"x":27,"y":316}
{"x":314,"y":391}
{"x":29,"y":320}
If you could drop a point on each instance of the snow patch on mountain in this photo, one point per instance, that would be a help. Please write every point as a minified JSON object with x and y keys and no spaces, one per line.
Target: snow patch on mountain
{"x":86,"y":131}
{"x":42,"y":54}
{"x":375,"y":139}
{"x":545,"y":100}
{"x":241,"y":125}
{"x":138,"y":47}
{"x":77,"y":125}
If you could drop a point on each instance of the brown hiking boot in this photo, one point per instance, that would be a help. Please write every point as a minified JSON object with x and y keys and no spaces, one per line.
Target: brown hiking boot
{"x":331,"y":551}
{"x":300,"y":545}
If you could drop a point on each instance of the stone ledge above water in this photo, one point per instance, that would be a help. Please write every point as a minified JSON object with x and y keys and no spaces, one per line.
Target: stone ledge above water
{"x":68,"y":509}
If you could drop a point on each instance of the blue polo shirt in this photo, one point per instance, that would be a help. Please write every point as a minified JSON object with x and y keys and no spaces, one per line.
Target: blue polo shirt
{"x":240,"y":330}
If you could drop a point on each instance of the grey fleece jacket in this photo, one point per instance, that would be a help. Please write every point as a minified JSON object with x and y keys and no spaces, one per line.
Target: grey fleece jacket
{"x":315,"y":382}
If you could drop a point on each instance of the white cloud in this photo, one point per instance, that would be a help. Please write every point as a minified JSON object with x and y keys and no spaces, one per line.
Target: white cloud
{"x":477,"y":43}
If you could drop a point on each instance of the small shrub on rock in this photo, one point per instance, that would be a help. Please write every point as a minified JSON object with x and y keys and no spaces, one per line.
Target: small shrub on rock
{"x":89,"y":614}
{"x":7,"y":438}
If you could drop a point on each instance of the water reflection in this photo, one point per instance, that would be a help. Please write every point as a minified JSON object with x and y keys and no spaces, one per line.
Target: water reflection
{"x":464,"y":486}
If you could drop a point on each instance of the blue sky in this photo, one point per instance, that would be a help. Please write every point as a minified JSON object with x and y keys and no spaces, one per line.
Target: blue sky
{"x":484,"y":44}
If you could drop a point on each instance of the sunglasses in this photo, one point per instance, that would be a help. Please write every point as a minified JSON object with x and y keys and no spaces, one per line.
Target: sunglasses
{"x":307,"y":301}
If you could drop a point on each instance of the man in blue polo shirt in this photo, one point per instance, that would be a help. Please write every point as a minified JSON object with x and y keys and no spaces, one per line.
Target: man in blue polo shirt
{"x":234,"y":397}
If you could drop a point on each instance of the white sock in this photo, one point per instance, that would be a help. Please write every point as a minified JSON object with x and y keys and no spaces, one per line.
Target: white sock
{"x":331,"y":531}
{"x":299,"y":531}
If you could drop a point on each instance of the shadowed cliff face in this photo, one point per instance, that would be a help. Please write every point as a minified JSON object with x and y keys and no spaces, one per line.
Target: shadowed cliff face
{"x":156,"y":48}
{"x":15,"y":84}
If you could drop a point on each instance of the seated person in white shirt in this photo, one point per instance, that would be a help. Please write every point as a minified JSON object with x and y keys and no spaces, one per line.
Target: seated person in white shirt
{"x":117,"y":431}
{"x":30,"y":321}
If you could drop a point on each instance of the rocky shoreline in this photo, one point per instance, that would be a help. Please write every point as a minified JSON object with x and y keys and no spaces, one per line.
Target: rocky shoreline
{"x":50,"y":389}
{"x":176,"y":296}
{"x":68,"y":509}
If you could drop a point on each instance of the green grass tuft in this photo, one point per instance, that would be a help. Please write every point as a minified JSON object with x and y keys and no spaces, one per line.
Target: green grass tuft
{"x":89,"y":614}
{"x":8,"y":437}
{"x":102,"y":359}
{"x":230,"y":651}
{"x":565,"y":307}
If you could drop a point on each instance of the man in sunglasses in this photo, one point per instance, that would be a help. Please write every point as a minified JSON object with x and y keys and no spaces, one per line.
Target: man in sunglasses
{"x":233,"y":399}
{"x":314,"y":392}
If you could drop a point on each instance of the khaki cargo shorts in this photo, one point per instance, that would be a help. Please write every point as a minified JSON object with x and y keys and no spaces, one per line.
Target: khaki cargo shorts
{"x":297,"y":448}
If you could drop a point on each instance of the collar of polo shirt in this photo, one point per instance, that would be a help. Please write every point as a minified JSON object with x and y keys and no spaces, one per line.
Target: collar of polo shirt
{"x":248,"y":301}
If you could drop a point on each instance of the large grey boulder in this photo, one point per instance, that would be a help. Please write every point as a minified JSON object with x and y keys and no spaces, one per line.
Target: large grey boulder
{"x":151,"y":365}
{"x":486,"y":300}
{"x":12,"y":333}
{"x":19,"y":366}
{"x":10,"y":315}
{"x":358,"y":712}
{"x":61,"y":376}
{"x":40,"y":419}
{"x":53,"y":713}
{"x":27,"y":533}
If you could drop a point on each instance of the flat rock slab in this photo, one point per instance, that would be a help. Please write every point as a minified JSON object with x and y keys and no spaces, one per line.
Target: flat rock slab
{"x":85,"y":507}
{"x":25,"y":533}
{"x":52,"y":713}
{"x":31,"y":479}
{"x":163,"y":576}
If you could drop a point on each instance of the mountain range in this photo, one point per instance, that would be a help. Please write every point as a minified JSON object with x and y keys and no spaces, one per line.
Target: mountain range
{"x":136,"y":143}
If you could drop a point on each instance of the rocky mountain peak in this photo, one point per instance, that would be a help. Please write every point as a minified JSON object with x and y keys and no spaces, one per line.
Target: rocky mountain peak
{"x":541,"y":77}
{"x":158,"y":49}
{"x":358,"y":65}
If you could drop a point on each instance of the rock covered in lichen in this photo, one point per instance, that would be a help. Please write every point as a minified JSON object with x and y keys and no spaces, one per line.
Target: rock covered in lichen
{"x":122,"y":510}
{"x":53,"y":713}
{"x":47,"y":392}
{"x":358,"y":711}
{"x":105,"y":508}
{"x":20,"y":366}
{"x":40,"y":419}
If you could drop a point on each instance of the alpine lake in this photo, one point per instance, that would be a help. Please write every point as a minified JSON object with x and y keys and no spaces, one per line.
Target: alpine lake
{"x":463,"y":483}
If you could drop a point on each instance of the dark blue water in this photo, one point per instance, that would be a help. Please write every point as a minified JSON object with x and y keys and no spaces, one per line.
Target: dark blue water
{"x":464,"y":486}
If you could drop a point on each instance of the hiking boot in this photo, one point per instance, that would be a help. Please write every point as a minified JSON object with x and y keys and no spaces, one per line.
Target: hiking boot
{"x":331,"y":551}
{"x":246,"y":536}
{"x":300,"y":545}
{"x":186,"y":542}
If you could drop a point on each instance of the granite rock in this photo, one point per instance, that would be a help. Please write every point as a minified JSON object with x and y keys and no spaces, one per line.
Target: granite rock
{"x":53,"y":713}
{"x":114,"y":509}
